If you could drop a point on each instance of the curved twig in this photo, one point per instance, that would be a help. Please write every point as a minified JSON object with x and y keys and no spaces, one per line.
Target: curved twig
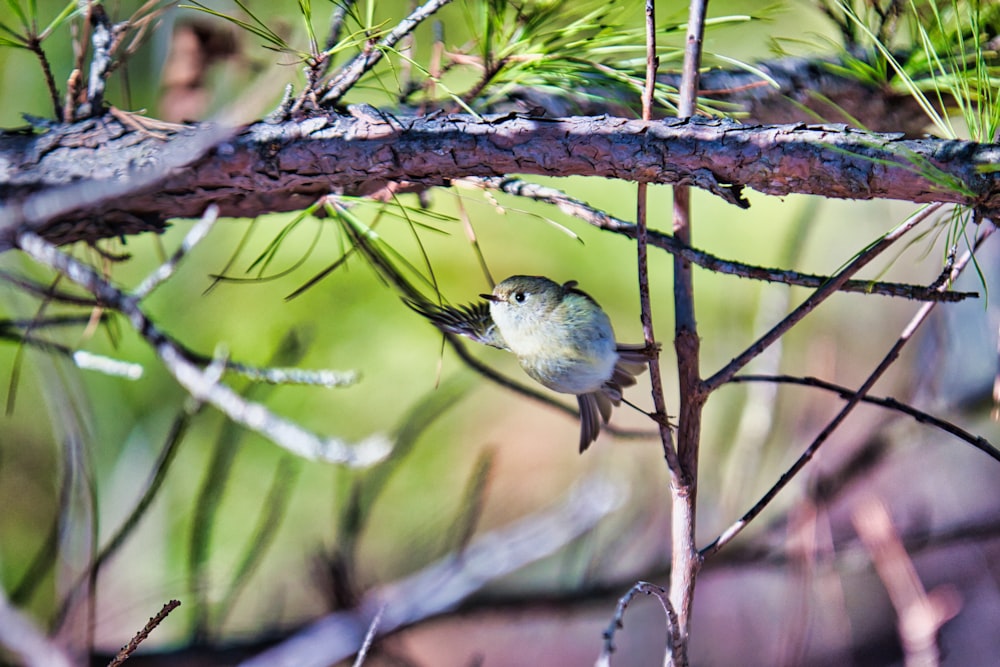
{"x":889,"y":403}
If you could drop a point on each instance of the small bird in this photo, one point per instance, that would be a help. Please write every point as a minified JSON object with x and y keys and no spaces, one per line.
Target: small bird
{"x":561,"y":338}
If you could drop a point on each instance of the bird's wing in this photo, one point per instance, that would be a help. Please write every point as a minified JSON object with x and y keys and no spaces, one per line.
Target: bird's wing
{"x":472,"y":321}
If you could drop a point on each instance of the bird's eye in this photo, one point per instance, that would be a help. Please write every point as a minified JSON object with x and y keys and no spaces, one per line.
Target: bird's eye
{"x":520,"y":297}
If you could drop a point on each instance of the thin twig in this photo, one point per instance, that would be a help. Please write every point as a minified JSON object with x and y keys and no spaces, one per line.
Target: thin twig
{"x":197,"y":232}
{"x":889,"y":403}
{"x":102,"y":39}
{"x":340,"y":11}
{"x":817,"y":297}
{"x":89,"y":361}
{"x":35,"y":46}
{"x":47,"y":292}
{"x":925,"y":310}
{"x":48,"y":322}
{"x":353,"y":71}
{"x":642,"y":262}
{"x":618,"y":621}
{"x":323,"y":377}
{"x":140,"y":636}
{"x":603,"y":220}
{"x":369,"y":637}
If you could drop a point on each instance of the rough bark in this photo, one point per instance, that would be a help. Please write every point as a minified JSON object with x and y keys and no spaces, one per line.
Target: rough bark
{"x":265,"y":167}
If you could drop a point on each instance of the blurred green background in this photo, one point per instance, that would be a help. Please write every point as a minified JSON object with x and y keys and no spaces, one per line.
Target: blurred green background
{"x":106,"y":433}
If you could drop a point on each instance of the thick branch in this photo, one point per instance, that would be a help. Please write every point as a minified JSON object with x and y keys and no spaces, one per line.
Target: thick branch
{"x":266,"y":168}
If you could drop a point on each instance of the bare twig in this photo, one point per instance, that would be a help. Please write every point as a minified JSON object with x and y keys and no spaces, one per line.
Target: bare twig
{"x":47,"y":322}
{"x":323,"y":377}
{"x":618,"y":621}
{"x":817,"y":297}
{"x":642,"y":262}
{"x":194,"y":236}
{"x":353,"y":71}
{"x":203,"y":383}
{"x":88,"y":361}
{"x":735,"y":529}
{"x":47,"y":291}
{"x":80,"y":32}
{"x":85,"y":360}
{"x":977,"y":441}
{"x":140,"y":636}
{"x":369,"y":637}
{"x":34,"y":44}
{"x":603,"y":220}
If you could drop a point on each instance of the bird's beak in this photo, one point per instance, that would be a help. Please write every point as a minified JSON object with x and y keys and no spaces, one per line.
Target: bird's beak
{"x":490,"y":297}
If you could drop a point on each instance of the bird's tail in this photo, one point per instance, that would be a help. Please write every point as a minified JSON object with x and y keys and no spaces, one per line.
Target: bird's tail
{"x":595,"y":407}
{"x":632,"y":361}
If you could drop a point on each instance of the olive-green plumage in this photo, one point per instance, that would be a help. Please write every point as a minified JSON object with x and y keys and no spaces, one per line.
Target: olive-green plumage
{"x":560,"y":336}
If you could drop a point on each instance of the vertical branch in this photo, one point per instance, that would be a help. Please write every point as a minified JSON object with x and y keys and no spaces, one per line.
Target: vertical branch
{"x":685,"y":559}
{"x":642,"y":245}
{"x":655,"y":379}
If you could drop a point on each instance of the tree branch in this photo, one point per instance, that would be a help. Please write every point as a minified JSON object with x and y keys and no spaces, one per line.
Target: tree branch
{"x":603,"y":220}
{"x":283,"y":167}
